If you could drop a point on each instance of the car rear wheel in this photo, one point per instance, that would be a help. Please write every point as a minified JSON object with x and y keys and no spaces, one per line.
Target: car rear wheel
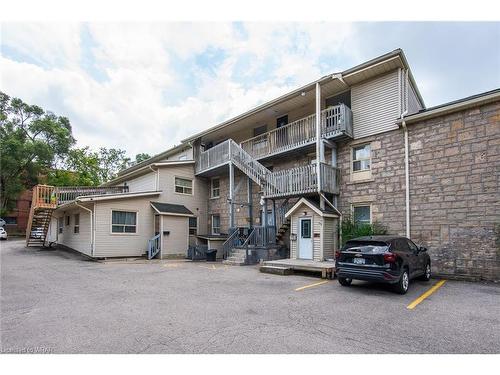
{"x":404,"y":282}
{"x":345,"y":281}
{"x":427,"y":273}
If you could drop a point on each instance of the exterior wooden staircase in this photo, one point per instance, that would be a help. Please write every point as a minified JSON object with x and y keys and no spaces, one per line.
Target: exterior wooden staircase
{"x":46,"y":199}
{"x":43,"y":204}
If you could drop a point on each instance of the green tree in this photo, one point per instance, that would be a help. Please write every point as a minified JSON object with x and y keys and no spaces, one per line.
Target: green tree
{"x":141,"y":157}
{"x":30,"y":141}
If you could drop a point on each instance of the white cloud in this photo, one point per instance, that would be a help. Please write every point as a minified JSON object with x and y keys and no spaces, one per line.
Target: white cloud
{"x":128,"y":108}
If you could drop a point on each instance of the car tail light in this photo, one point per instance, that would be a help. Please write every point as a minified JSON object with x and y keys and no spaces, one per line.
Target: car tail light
{"x":337,"y":254}
{"x":389,"y":257}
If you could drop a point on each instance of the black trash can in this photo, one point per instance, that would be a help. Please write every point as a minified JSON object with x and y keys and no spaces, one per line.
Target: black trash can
{"x":211,"y":255}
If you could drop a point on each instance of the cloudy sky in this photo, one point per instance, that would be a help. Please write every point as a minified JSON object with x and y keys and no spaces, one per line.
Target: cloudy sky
{"x":143,"y":87}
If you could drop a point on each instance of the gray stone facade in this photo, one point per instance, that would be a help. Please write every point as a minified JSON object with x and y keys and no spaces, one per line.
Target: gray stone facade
{"x":454,"y":189}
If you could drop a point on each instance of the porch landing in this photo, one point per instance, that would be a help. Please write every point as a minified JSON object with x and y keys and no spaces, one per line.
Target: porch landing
{"x":288,"y":266}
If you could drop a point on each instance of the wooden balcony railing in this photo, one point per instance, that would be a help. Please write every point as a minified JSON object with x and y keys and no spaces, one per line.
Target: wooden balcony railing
{"x":335,"y":121}
{"x":45,"y":196}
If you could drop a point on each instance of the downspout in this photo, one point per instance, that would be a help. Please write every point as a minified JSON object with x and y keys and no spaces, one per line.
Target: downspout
{"x":92,"y":232}
{"x":157,"y":181}
{"x":407,"y":164}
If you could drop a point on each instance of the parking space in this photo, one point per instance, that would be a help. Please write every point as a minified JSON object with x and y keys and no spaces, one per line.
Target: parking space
{"x":62,"y":302}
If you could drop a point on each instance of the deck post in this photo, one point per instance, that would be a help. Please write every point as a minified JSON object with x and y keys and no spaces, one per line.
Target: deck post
{"x":320,"y":154}
{"x":231,"y":195}
{"x":264,"y":208}
{"x":250,"y":204}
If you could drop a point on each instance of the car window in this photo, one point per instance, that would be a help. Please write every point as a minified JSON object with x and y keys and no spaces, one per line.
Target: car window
{"x":412,"y":246}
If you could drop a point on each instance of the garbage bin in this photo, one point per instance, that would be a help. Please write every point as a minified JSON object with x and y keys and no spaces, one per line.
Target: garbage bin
{"x":211,"y":255}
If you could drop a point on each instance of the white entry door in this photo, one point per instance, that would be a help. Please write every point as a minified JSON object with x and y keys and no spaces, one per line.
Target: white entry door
{"x":305,"y":241}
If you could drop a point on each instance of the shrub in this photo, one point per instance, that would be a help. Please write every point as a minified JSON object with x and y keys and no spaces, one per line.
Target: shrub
{"x":350,"y":229}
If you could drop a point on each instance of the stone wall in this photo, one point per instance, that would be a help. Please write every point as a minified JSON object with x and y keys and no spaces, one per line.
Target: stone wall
{"x":454,"y":191}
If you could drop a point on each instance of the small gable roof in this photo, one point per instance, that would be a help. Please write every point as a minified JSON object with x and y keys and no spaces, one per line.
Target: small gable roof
{"x":313,"y":205}
{"x":171,"y":209}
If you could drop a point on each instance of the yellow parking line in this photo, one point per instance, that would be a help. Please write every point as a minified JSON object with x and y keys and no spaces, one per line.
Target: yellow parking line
{"x":436,"y":286}
{"x":311,"y":285}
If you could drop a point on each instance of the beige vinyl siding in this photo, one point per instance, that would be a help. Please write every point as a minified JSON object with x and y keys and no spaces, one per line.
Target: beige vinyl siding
{"x":316,"y":230}
{"x":413,"y":104}
{"x":317,"y":242}
{"x":375,"y":105}
{"x":176,"y":242}
{"x":329,"y":238}
{"x":197,"y":202}
{"x":145,"y":182}
{"x":81,"y":241}
{"x":119,"y":244}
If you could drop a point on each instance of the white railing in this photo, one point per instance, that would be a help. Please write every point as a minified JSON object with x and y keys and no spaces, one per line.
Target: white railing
{"x":302,"y":180}
{"x":213,"y":157}
{"x":67,"y":194}
{"x":292,"y":135}
{"x":330,"y":178}
{"x":244,"y":161}
{"x":154,"y":246}
{"x":335,"y":120}
{"x":293,"y":181}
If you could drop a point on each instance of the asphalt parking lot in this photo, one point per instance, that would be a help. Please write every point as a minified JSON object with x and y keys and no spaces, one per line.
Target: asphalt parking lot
{"x":56,"y":301}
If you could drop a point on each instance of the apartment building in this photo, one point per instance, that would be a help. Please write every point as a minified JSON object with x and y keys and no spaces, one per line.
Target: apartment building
{"x":278,"y":180}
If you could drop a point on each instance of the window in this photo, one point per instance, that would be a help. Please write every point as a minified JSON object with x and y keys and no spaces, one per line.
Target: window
{"x":305,"y":228}
{"x":259,"y":130}
{"x":193,"y":226}
{"x":68,"y":219}
{"x":344,"y":98}
{"x":183,"y":186}
{"x":361,"y":158}
{"x":281,"y":121}
{"x":412,"y":246}
{"x":215,"y":188}
{"x":76,"y":225}
{"x":362,"y":214}
{"x":123,"y":222}
{"x":60,"y":222}
{"x":215,"y":224}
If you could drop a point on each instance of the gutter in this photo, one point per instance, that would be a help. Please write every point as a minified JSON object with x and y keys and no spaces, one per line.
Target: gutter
{"x":92,"y":227}
{"x":157,"y":182}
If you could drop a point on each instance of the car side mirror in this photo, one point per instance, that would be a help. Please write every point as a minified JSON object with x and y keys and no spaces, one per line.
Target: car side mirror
{"x":422,"y":248}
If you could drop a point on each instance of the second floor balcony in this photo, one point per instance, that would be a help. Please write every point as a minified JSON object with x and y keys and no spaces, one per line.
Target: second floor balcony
{"x":336,"y":122}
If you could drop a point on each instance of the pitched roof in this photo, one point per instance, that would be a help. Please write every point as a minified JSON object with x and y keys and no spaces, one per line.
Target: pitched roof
{"x":171,"y":209}
{"x":314,"y":205}
{"x":454,"y":106}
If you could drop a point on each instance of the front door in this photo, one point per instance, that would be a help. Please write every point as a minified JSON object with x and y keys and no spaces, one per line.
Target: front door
{"x":305,"y":241}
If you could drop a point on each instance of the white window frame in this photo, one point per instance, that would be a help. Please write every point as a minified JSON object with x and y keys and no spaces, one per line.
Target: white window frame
{"x":355,"y":160}
{"x":124,"y":233}
{"x":76,"y":224}
{"x":212,"y":196}
{"x":212,"y":224}
{"x":362,"y":204}
{"x":183,"y":187}
{"x":60,"y":225}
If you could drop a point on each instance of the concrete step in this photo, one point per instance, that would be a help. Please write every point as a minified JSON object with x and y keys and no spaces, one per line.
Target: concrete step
{"x":231,"y":262}
{"x":276,"y":270}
